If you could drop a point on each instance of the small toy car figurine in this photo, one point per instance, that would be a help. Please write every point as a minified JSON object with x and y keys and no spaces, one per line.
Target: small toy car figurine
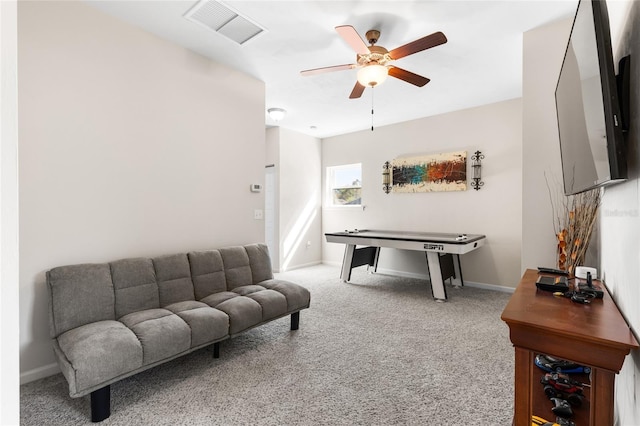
{"x":551,"y":364}
{"x":539,"y":421}
{"x":562,"y":408}
{"x":558,"y":385}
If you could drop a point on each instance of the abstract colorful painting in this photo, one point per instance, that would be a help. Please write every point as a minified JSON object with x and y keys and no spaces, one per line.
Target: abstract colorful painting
{"x":436,"y":172}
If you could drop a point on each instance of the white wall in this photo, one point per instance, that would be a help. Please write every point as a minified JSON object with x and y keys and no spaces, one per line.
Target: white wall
{"x":620,"y":217}
{"x":297,"y":160}
{"x":495,"y":210}
{"x":543,"y":49}
{"x":129,"y":146}
{"x":9,"y":296}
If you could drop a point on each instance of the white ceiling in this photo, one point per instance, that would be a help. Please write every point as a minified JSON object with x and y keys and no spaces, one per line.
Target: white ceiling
{"x":480,"y":64}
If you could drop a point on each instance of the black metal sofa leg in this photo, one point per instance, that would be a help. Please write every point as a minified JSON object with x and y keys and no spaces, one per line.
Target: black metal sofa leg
{"x":216,"y":350}
{"x":295,"y":320}
{"x":101,"y":404}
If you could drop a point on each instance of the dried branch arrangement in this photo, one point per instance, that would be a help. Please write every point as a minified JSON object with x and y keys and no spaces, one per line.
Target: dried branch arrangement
{"x":574,"y":219}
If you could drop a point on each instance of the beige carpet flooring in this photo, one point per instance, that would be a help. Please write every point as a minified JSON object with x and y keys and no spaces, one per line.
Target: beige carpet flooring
{"x":376,"y":351}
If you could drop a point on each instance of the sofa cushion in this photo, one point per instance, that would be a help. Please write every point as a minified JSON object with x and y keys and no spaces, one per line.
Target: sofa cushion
{"x":98,"y":352}
{"x":273,"y":303}
{"x":243,"y":312}
{"x":248,"y":289}
{"x":236,"y":266}
{"x":174,"y":278}
{"x":215,"y":299}
{"x":297,"y":296}
{"x":135,"y":285}
{"x":162,"y":333}
{"x":207,"y":324}
{"x":207,"y":273}
{"x":260,"y":262}
{"x":79,"y":295}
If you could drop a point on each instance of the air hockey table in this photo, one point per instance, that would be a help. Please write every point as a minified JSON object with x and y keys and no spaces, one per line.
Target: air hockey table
{"x":440,"y":250}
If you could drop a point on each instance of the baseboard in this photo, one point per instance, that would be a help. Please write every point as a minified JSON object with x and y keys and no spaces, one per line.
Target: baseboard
{"x":404,"y":274}
{"x":485,"y":286}
{"x":493,"y":287}
{"x":39,"y":373}
{"x":304,"y":265}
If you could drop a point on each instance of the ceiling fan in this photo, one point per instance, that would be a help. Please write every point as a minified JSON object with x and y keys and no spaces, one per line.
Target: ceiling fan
{"x":374,"y":61}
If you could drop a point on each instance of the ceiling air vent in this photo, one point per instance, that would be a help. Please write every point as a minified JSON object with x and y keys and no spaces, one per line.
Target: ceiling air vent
{"x":220,"y":18}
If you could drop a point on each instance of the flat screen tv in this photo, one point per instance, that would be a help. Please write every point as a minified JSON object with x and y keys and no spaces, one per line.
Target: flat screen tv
{"x":589,"y":122}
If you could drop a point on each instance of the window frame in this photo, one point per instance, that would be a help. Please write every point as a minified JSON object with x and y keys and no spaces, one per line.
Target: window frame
{"x":331,"y":186}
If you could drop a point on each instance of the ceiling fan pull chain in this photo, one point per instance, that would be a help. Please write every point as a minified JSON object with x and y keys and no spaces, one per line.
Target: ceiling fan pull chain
{"x":372,"y":108}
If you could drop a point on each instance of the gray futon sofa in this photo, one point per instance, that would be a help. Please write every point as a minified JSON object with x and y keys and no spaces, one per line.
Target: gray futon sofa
{"x":111,"y":320}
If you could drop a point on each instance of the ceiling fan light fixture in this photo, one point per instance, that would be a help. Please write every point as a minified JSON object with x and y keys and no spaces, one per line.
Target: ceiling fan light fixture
{"x":276,"y":114}
{"x":372,"y":75}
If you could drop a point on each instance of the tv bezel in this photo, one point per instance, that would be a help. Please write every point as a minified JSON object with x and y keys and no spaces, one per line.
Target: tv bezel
{"x":616,"y":146}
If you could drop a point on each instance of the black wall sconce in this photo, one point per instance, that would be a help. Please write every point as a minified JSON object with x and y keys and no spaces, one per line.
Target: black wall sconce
{"x":386,"y":177}
{"x":476,"y":163}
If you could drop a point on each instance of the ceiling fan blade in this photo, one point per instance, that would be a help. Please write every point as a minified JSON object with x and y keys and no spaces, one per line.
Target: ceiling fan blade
{"x":419,"y":45}
{"x":353,"y":39}
{"x":408,"y":76}
{"x":357,"y":91}
{"x":328,"y":69}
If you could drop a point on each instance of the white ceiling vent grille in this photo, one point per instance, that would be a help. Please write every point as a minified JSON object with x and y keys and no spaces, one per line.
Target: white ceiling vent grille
{"x":222,"y":19}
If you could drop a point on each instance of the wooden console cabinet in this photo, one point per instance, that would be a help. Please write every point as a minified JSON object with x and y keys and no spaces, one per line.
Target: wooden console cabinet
{"x":595,"y":335}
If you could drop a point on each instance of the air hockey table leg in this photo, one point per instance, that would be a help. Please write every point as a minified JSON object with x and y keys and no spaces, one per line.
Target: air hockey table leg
{"x":457,"y":279}
{"x":372,"y":267}
{"x":437,"y":283}
{"x":345,"y":274}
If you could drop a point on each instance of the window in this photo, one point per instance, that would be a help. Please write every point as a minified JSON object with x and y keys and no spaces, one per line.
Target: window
{"x":344,"y":185}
